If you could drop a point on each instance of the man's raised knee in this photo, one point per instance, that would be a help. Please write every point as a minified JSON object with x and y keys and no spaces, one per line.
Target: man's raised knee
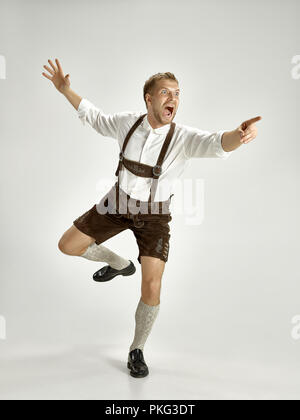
{"x":65,"y":247}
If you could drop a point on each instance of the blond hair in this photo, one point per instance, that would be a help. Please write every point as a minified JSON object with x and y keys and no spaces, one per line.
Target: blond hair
{"x":149,"y":85}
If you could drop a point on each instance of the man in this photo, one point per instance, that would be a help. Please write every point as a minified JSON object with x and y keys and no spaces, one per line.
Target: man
{"x":156,"y":148}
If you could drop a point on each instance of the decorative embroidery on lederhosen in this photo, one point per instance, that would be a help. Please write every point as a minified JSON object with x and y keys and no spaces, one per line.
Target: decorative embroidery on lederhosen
{"x":162,"y":246}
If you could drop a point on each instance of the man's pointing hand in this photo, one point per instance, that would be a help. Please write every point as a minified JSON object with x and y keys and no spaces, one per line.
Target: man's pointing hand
{"x":248,"y":130}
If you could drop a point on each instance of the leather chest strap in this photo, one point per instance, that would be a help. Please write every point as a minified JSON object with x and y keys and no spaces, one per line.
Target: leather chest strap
{"x":140,"y":169}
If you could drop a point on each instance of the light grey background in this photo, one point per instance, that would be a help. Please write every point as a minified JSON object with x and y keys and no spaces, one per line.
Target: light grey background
{"x":231,"y":285}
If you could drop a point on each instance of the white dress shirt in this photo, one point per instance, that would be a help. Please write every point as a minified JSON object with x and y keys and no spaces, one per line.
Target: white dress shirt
{"x":145,"y":144}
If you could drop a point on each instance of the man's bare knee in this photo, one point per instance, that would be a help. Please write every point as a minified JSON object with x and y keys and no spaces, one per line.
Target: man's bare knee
{"x":66,"y":248}
{"x":73,"y":242}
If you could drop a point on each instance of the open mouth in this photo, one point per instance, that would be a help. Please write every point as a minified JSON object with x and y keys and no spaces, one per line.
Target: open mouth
{"x":168,"y":111}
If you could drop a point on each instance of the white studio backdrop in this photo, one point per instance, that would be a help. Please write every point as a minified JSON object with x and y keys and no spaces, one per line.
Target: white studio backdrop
{"x":231,"y":286}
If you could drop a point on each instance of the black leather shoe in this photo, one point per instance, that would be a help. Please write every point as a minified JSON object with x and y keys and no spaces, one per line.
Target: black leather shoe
{"x":137,"y":364}
{"x":108,"y":273}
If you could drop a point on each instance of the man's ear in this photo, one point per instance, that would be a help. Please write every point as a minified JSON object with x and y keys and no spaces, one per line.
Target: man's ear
{"x":148,"y":98}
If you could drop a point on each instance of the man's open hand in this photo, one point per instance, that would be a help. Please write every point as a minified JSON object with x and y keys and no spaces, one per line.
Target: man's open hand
{"x":248,"y":130}
{"x":57,"y":77}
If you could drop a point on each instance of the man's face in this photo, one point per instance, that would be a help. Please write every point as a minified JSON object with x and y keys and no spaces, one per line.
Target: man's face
{"x":165,"y":95}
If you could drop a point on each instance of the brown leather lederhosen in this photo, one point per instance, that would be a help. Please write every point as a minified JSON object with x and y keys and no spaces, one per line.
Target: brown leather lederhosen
{"x":145,"y":171}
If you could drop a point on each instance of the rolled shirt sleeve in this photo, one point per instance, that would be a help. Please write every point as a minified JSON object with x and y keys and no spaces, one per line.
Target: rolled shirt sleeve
{"x":107,"y":125}
{"x":199,"y":143}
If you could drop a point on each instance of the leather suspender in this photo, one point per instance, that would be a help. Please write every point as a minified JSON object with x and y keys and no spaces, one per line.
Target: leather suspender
{"x":157,"y":169}
{"x":129,"y":134}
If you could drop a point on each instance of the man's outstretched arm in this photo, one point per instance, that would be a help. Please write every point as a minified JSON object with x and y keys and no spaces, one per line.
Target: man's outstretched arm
{"x":62,"y":83}
{"x":246,"y":132}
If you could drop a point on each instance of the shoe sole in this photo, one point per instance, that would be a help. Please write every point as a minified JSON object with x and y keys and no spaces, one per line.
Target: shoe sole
{"x":128,"y":273}
{"x":136,"y":375}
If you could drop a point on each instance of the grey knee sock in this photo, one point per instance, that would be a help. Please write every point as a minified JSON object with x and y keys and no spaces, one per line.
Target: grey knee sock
{"x":144,"y":319}
{"x":101,"y":253}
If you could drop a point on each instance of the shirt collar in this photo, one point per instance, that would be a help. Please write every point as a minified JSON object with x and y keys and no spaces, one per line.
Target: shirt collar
{"x":161,"y":130}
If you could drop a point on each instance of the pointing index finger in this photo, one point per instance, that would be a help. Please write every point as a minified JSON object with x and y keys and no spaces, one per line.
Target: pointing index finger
{"x":253,"y":120}
{"x":247,"y":123}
